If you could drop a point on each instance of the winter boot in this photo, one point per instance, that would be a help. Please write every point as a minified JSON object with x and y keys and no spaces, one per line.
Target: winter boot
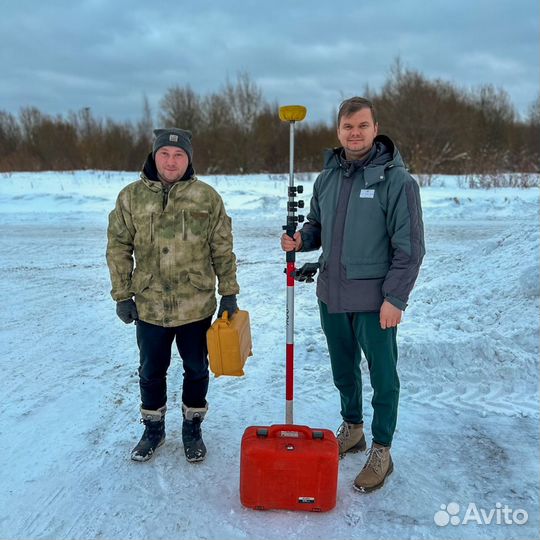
{"x":351,"y":438}
{"x":153,"y":436}
{"x":191,"y":433}
{"x":377,"y":468}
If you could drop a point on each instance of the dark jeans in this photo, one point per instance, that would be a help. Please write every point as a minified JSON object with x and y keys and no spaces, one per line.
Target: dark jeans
{"x":155,"y":344}
{"x":348,"y":335}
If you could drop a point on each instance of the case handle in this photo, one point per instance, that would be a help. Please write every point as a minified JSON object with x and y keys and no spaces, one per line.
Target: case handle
{"x":289,"y":430}
{"x":224,"y":319}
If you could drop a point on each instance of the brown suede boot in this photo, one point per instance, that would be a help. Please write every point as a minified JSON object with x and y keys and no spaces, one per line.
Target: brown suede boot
{"x":377,"y":468}
{"x":351,"y":438}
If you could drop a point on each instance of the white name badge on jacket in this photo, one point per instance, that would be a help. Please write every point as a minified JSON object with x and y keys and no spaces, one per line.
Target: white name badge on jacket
{"x":367,"y":193}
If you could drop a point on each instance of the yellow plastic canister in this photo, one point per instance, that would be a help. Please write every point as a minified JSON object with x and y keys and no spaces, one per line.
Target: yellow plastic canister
{"x":229,"y":344}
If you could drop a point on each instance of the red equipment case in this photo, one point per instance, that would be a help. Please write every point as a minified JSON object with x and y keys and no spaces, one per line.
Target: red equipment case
{"x":289,"y":467}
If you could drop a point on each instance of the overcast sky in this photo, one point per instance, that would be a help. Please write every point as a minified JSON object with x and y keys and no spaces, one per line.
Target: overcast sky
{"x":61,"y":55}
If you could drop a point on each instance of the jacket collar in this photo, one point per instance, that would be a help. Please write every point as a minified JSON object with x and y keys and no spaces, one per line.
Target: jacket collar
{"x":386,"y":156}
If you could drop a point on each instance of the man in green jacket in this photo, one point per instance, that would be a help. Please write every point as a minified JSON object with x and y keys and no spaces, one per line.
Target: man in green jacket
{"x":169,"y":237}
{"x":366,"y":215}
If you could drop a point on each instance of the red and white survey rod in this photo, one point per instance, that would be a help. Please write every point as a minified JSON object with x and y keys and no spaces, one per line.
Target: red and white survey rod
{"x":291,"y":114}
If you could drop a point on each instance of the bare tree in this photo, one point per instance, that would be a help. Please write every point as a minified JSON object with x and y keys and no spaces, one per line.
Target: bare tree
{"x":146,"y":123}
{"x":10,"y":140}
{"x":423,"y":117}
{"x":181,"y":107}
{"x":245,"y":101}
{"x":212,"y":143}
{"x":534,"y":112}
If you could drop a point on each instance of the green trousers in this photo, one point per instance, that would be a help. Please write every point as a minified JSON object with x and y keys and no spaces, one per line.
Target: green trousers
{"x":347,"y":335}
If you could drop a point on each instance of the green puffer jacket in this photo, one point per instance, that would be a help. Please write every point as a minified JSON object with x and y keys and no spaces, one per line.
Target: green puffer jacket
{"x":180,"y":242}
{"x":383,"y":235}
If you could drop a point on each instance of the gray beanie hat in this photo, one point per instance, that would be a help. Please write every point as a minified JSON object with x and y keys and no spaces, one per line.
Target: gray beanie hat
{"x":180,"y":138}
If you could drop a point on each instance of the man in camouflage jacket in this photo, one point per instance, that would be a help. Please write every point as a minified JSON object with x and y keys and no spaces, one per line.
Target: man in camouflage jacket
{"x":169,"y":237}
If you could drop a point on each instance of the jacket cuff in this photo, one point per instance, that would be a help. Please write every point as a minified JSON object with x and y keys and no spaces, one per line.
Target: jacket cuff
{"x":396,"y":302}
{"x":122,"y":294}
{"x":228,"y":289}
{"x":306,"y":243}
{"x":303,"y":242}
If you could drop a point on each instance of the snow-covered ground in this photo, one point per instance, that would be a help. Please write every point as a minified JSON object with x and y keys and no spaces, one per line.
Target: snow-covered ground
{"x":468,"y":430}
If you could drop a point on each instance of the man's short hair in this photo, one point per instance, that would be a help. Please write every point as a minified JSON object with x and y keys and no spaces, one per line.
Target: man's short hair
{"x":355,"y":104}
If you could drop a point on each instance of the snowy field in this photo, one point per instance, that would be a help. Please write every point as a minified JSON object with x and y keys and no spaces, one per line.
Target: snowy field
{"x":468,"y":428}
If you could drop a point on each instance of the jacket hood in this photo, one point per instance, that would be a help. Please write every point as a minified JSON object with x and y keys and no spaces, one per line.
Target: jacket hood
{"x":150,"y":174}
{"x":386,"y":155}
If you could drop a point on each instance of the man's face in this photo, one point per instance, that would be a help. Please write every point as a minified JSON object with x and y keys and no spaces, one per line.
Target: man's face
{"x":356,"y":133}
{"x":172,"y":163}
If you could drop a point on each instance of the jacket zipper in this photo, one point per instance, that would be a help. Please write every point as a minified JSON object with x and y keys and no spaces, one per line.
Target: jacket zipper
{"x":165,"y":198}
{"x":184,"y":232}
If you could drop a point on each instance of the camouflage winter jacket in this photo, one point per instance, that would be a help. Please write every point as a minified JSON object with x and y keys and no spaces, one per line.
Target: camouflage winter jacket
{"x":180,"y":240}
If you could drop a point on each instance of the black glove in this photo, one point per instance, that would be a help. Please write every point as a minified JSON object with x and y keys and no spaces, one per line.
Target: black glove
{"x":306,"y":272}
{"x":228,"y":303}
{"x":127,"y":311}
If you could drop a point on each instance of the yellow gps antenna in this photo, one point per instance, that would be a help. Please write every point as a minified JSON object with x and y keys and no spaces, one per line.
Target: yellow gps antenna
{"x":292,"y":113}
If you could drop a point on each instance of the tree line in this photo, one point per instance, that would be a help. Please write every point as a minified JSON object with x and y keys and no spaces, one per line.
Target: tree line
{"x":438,"y":127}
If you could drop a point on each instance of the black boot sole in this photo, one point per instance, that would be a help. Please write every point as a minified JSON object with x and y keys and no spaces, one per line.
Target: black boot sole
{"x":142,"y":459}
{"x":195,"y":460}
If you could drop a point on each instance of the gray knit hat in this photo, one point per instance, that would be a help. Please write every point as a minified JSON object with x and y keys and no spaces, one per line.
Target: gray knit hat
{"x":180,"y":138}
